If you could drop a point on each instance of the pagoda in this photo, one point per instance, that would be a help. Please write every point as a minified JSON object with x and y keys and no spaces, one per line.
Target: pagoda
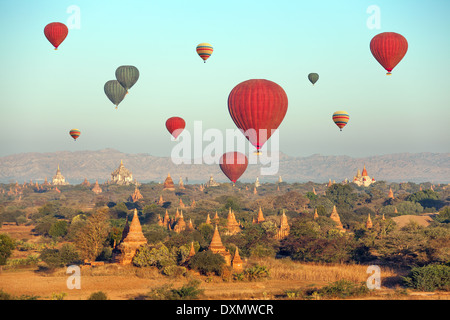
{"x":284,"y":229}
{"x":130,"y":243}
{"x":168,"y":183}
{"x":58,"y":179}
{"x":391,"y":193}
{"x":84,"y":183}
{"x":212,"y":183}
{"x":122,"y":175}
{"x":316,"y":215}
{"x":369,"y":223}
{"x":259,"y":218}
{"x":180,"y":224}
{"x":96,"y":189}
{"x":363,"y":179}
{"x":161,"y":200}
{"x":237,"y":261}
{"x":335,"y":217}
{"x":180,"y":184}
{"x":232,"y":225}
{"x":216,"y":246}
{"x":136,"y":196}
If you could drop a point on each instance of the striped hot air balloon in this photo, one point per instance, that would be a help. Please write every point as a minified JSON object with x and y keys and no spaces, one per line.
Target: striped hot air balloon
{"x":115,"y":92}
{"x":127,"y":76}
{"x":56,"y":32}
{"x":340,"y":118}
{"x":388,"y":48}
{"x":204,"y":50}
{"x":75,"y":133}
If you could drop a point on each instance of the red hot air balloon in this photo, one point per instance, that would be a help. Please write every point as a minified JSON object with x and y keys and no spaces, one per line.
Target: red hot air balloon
{"x":56,"y":32}
{"x":388,"y":48}
{"x":175,"y":125}
{"x":257,"y":107}
{"x":233,"y":165}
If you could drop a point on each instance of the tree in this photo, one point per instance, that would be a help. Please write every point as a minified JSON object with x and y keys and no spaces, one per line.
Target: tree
{"x":207,"y":262}
{"x":92,"y":236}
{"x":292,"y":201}
{"x":341,"y":195}
{"x":7,"y":245}
{"x":58,"y":229}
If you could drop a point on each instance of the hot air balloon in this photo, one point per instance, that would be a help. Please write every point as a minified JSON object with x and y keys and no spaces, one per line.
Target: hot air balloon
{"x":313,"y":77}
{"x":340,"y":118}
{"x":388,"y":48}
{"x":56,"y":32}
{"x":127,"y":76}
{"x":75,"y":133}
{"x":175,"y":125}
{"x":115,"y":92}
{"x":204,"y":50}
{"x":233,"y":165}
{"x":257,"y":107}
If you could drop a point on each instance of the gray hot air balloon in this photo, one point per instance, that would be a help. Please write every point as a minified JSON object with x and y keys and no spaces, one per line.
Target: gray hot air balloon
{"x":127,"y":76}
{"x":115,"y":92}
{"x":313,"y":77}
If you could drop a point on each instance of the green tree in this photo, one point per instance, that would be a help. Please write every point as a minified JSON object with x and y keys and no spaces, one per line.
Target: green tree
{"x":207,"y":262}
{"x":58,"y":229}
{"x":7,"y":245}
{"x":157,"y":255}
{"x":341,"y":195}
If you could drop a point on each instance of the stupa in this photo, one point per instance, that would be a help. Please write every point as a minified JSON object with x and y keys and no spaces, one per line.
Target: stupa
{"x":181,"y":184}
{"x":284,"y":229}
{"x":58,"y":179}
{"x":216,"y":246}
{"x":259,"y":218}
{"x":391,"y":194}
{"x":134,"y":238}
{"x":96,"y":189}
{"x":212,"y":183}
{"x":85,"y":183}
{"x":335,"y":217}
{"x":237,"y":261}
{"x":136,"y":196}
{"x":232,"y":224}
{"x":121,"y":175}
{"x":168,"y":183}
{"x":369,"y":223}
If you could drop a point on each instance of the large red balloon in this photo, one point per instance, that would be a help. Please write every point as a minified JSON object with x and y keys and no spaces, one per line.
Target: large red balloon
{"x":388,"y":48}
{"x":56,"y":32}
{"x":175,"y":125}
{"x":260,"y":105}
{"x":233,"y":165}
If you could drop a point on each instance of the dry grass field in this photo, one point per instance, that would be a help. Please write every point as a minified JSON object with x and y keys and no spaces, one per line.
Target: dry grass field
{"x":128,"y":282}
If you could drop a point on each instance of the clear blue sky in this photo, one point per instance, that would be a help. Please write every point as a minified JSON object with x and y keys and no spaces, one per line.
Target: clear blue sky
{"x":45,"y":93}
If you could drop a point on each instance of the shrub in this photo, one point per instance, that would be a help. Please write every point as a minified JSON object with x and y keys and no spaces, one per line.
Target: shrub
{"x":429,"y":278}
{"x":207,"y":262}
{"x":99,"y":295}
{"x":343,"y":289}
{"x":188,"y":291}
{"x":256,"y":272}
{"x":174,"y":271}
{"x":154,"y":255}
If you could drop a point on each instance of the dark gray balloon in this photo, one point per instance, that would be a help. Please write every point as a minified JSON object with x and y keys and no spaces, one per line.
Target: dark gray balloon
{"x":115,"y":92}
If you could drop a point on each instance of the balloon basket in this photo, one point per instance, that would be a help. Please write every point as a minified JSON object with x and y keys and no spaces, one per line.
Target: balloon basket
{"x":257,"y":152}
{"x":389,"y":74}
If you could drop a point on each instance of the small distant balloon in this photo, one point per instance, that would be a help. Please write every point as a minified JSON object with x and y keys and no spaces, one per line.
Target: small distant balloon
{"x":233,"y":165}
{"x":175,"y":125}
{"x":127,"y":76}
{"x":313,"y":77}
{"x":56,"y":32}
{"x":388,"y":48}
{"x":341,"y":118}
{"x":115,"y":92}
{"x":75,"y":133}
{"x":204,"y":50}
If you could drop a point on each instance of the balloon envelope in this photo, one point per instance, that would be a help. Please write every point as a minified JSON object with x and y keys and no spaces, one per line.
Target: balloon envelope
{"x":115,"y":92}
{"x":341,"y":118}
{"x":233,"y":165}
{"x":204,"y":50}
{"x":313,"y":77}
{"x":388,"y":48}
{"x":56,"y":32}
{"x":175,"y":126}
{"x":257,"y":107}
{"x":127,"y":76}
{"x":75,"y":133}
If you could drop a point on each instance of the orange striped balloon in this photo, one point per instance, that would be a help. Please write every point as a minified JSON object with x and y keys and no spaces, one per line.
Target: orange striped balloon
{"x":341,"y":118}
{"x":75,"y":133}
{"x":204,"y":50}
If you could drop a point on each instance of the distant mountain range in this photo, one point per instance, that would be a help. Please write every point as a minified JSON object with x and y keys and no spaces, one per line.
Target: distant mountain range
{"x":76,"y":166}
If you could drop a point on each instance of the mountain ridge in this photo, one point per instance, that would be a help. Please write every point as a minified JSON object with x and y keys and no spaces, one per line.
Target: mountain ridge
{"x":78,"y":165}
